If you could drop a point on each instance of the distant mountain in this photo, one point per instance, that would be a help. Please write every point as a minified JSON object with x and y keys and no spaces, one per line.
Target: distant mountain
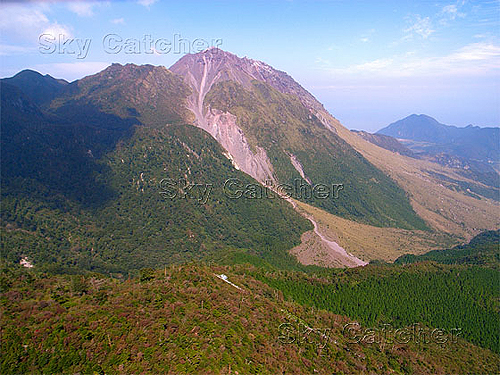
{"x":430,"y":136}
{"x":472,"y":152}
{"x":420,"y":128}
{"x":38,"y":88}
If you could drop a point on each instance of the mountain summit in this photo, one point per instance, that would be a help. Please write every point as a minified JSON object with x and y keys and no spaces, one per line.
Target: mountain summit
{"x":214,"y":65}
{"x":471,"y":142}
{"x":421,"y":128}
{"x":277,"y":132}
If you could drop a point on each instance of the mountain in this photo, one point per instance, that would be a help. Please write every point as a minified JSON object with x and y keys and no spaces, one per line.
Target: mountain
{"x":471,"y":151}
{"x":421,"y":128}
{"x":275,"y":131}
{"x":38,"y":88}
{"x":86,"y":180}
{"x":149,"y":224}
{"x":280,"y":125}
{"x":83,"y":174}
{"x":471,"y":142}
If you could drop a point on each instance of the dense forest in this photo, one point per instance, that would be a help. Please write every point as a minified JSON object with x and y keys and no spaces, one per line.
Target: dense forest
{"x":131,"y":223}
{"x":186,"y":320}
{"x":444,"y":297}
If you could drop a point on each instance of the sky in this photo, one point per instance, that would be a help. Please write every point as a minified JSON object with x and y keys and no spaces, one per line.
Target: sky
{"x":369,"y":62}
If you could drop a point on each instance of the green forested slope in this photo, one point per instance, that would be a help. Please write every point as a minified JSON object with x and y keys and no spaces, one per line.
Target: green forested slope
{"x":482,"y":250}
{"x":82,"y":181}
{"x":284,"y":127}
{"x":185,"y":320}
{"x":436,"y":296}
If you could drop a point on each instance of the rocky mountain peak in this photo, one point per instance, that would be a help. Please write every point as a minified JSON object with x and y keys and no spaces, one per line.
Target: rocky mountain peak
{"x":214,"y":65}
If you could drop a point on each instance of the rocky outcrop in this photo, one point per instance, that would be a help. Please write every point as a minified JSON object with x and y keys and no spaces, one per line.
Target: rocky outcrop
{"x":222,"y":126}
{"x":201,"y":72}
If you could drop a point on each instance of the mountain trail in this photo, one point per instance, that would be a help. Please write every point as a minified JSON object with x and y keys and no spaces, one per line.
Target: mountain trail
{"x":341,"y":255}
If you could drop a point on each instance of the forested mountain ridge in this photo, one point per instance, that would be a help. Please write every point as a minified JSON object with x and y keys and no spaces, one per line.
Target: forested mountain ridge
{"x":81,"y":181}
{"x":187,"y":320}
{"x":40,"y":89}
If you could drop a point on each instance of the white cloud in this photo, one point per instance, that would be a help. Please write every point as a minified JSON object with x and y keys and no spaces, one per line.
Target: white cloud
{"x":450,"y":13}
{"x":471,"y":60}
{"x":419,"y":27}
{"x":146,"y":3}
{"x":82,"y":8}
{"x":22,"y":21}
{"x":324,"y":63}
{"x":366,"y":37}
{"x":22,"y":24}
{"x":476,"y":52}
{"x":373,"y":66}
{"x":85,"y":8}
{"x":118,"y":21}
{"x":57,"y":30}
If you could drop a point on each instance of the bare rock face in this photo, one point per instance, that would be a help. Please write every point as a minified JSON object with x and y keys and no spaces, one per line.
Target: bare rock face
{"x":222,"y":126}
{"x":298,"y":167}
{"x":203,"y":70}
{"x":217,"y":65}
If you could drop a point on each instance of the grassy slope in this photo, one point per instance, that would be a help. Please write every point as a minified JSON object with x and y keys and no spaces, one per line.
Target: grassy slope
{"x":187,"y":321}
{"x":368,"y":242}
{"x":283,"y":126}
{"x":482,"y":250}
{"x":442,"y":205}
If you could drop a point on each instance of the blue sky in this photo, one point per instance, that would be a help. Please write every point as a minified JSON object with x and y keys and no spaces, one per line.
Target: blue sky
{"x":369,"y":62}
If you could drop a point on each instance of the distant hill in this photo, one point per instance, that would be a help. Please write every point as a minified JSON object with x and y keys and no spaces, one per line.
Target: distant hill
{"x":470,"y":142}
{"x":483,"y":250}
{"x":40,"y":89}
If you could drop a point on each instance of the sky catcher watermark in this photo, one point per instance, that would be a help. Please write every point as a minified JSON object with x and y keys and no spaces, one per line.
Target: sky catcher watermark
{"x":387,"y":334}
{"x":234,"y":188}
{"x":298,"y":189}
{"x":114,"y":44}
